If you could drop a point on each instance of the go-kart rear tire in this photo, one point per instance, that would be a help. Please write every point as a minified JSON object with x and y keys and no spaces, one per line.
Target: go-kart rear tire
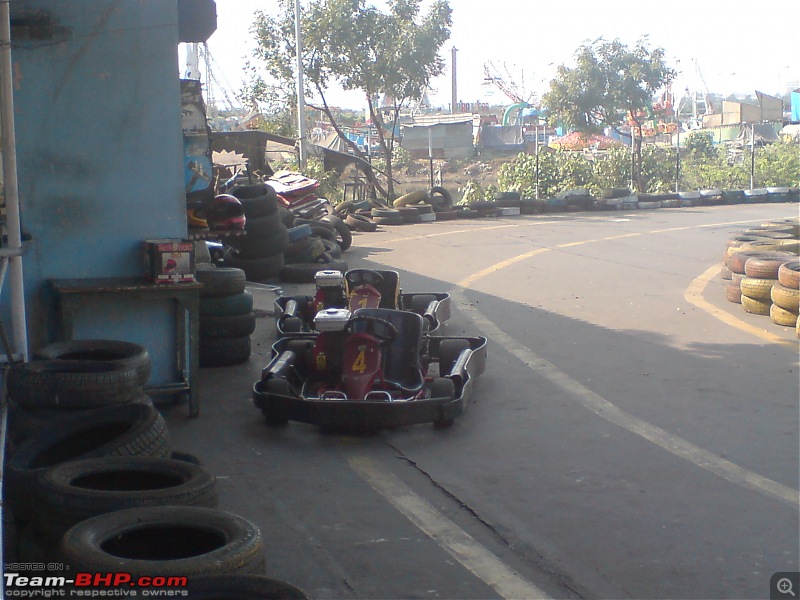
{"x":224,"y":352}
{"x":420,"y":302}
{"x":449,"y":351}
{"x":292,"y":325}
{"x":279,"y":387}
{"x":442,"y":387}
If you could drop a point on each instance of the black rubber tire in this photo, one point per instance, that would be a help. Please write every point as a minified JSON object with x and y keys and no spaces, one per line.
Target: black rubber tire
{"x":252,"y":190}
{"x":220,"y":306}
{"x":221,"y":281}
{"x":360,"y":223}
{"x":24,"y":422}
{"x":227,"y":326}
{"x":260,"y":269}
{"x":391,"y":221}
{"x":71,"y":384}
{"x":292,"y":325}
{"x":224,"y":352}
{"x":440,"y":198}
{"x":410,"y":215}
{"x":243,"y":587}
{"x":186,"y":457}
{"x":420,"y":302}
{"x":449,"y":351}
{"x":119,"y":354}
{"x":79,"y":490}
{"x":447,"y":215}
{"x":165,"y":541}
{"x":344,"y":236}
{"x":332,"y":249}
{"x":263,"y":237}
{"x":309,"y":252}
{"x":483,"y":205}
{"x":260,"y":206}
{"x":305,"y":272}
{"x":133,"y":429}
{"x":323,"y":230}
{"x":443,"y":387}
{"x":507,"y":198}
{"x":385,"y":213}
{"x":343,"y":209}
{"x":530,"y":206}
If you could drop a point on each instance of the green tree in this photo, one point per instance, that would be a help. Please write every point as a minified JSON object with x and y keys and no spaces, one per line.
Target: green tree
{"x":390,"y":56}
{"x":609,"y":85}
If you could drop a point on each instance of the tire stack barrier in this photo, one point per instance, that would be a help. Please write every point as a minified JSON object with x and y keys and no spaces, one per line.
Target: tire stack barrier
{"x":259,"y":253}
{"x":92,"y":481}
{"x":763,"y":271}
{"x":226,"y":316}
{"x":315,"y":244}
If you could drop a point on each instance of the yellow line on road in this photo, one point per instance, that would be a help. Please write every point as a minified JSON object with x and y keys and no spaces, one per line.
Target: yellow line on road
{"x":458,"y":543}
{"x":501,"y":265}
{"x":600,"y":406}
{"x":694,"y":295}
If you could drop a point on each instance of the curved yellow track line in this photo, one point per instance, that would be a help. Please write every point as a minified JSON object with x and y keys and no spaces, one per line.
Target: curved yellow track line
{"x":694,"y":295}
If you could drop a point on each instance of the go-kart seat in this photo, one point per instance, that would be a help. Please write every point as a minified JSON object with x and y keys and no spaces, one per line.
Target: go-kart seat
{"x":402,"y":360}
{"x":388,"y":286}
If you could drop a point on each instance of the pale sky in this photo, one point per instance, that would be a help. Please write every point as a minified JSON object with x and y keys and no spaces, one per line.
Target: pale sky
{"x":736,"y":49}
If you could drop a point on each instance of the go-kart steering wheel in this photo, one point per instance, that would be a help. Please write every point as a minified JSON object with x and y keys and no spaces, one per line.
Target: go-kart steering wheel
{"x":357,"y":277}
{"x":381,"y":329}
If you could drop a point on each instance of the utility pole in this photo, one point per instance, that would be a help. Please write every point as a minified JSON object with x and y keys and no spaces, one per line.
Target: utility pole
{"x":454,"y":83}
{"x":301,"y":103}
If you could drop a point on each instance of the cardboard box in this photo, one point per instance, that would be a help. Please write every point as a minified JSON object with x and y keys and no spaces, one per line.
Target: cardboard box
{"x":169,"y":260}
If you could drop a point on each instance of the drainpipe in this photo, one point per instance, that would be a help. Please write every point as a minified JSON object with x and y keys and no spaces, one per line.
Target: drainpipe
{"x":13,"y":250}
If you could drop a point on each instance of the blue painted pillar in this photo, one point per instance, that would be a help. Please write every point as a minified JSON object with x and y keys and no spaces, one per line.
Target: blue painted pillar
{"x":99,"y":149}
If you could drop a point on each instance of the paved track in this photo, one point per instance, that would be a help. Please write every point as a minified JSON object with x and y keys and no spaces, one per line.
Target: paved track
{"x":635,"y":435}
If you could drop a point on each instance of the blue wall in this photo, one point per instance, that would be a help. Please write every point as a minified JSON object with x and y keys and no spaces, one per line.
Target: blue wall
{"x":99,"y":150}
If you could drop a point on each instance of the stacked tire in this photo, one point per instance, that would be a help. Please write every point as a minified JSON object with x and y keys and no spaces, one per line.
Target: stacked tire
{"x":315,"y":245}
{"x":259,"y":252}
{"x":69,"y":378}
{"x":785,"y":295}
{"x":227,"y":319}
{"x":763,"y":270}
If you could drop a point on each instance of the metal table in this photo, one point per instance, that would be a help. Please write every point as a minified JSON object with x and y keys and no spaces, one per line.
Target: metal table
{"x":72,"y":294}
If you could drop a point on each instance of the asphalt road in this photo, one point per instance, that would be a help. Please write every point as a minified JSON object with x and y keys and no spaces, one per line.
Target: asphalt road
{"x":635,"y":435}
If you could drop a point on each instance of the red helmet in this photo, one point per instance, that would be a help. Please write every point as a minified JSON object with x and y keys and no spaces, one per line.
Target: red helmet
{"x":226,"y":214}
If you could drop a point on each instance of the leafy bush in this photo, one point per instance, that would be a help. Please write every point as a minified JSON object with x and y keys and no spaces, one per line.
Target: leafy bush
{"x":702,"y":166}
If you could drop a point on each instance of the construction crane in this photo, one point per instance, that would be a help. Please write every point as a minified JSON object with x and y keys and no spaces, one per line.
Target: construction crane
{"x":709,"y":108}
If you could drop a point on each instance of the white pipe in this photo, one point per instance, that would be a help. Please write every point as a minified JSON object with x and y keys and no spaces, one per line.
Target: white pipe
{"x":301,"y":101}
{"x":9,"y":150}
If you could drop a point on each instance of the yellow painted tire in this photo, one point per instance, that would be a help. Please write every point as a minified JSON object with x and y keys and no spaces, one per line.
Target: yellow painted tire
{"x":757,"y":289}
{"x":789,"y":274}
{"x":792,"y":246}
{"x":733,"y":293}
{"x":412,"y":198}
{"x":755,"y":306}
{"x":785,"y":298}
{"x":782,"y":317}
{"x":763,"y":246}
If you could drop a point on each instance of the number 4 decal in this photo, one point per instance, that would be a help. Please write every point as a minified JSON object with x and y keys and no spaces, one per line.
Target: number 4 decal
{"x":360,"y":364}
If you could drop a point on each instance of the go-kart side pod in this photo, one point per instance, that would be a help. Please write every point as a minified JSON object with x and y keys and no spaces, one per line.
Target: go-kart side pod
{"x":284,"y":392}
